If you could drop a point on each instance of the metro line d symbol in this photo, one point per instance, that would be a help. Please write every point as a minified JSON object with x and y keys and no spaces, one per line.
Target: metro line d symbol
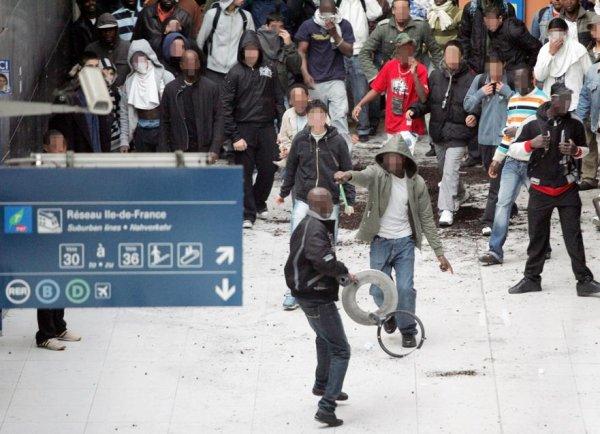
{"x":77,"y":291}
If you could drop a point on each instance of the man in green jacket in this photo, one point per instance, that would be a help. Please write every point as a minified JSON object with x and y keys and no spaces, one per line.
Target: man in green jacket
{"x":382,"y":39}
{"x":397,"y":215}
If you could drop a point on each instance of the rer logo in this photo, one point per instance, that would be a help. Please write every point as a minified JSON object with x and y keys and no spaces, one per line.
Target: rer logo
{"x":18,"y":291}
{"x":17,"y":220}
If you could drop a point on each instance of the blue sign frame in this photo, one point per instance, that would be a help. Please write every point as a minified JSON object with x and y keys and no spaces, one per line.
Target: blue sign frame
{"x":120,"y":237}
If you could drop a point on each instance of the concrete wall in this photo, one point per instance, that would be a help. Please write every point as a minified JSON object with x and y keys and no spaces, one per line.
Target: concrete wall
{"x":30,"y":36}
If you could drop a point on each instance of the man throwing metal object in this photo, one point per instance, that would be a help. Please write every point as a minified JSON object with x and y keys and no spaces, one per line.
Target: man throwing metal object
{"x":313,"y":273}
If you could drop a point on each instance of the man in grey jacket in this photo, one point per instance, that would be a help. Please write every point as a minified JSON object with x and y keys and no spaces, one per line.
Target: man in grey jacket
{"x":220,"y":36}
{"x":397,"y":215}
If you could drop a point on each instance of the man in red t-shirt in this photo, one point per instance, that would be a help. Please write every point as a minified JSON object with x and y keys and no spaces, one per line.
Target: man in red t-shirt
{"x":404,"y":81}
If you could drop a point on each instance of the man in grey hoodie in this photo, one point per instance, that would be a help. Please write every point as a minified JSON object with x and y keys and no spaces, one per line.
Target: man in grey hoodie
{"x":220,"y":36}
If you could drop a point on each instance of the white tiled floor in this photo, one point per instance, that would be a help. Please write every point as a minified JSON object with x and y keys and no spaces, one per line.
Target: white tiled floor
{"x":249,"y":370}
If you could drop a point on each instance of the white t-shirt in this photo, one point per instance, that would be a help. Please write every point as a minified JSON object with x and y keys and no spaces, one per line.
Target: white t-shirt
{"x":301,"y":122}
{"x":395,"y":222}
{"x":573,"y":33}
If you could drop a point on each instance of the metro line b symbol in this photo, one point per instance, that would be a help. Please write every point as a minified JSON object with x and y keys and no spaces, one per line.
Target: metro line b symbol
{"x":47,"y":291}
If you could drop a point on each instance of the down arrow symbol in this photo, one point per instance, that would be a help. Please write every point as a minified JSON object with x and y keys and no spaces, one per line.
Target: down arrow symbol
{"x":225,"y":291}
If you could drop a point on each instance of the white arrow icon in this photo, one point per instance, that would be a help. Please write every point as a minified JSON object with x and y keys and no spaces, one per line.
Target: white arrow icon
{"x":225,"y":291}
{"x":227,"y":253}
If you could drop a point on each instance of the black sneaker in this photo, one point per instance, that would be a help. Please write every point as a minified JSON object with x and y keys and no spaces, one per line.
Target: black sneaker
{"x":489,"y":259}
{"x":373,"y":131}
{"x":588,"y":287}
{"x":320,"y":392}
{"x":390,"y":325}
{"x":328,"y":417}
{"x":526,"y":285}
{"x":470,"y":162}
{"x":431,"y":152}
{"x":409,"y":341}
{"x":363,"y":138}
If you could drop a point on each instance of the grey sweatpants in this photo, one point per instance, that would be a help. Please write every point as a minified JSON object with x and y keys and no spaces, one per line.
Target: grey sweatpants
{"x":333,"y":94}
{"x":451,"y":188}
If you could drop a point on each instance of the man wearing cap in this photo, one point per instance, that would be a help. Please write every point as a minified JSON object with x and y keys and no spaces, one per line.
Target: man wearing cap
{"x":554,"y":140}
{"x":110,"y":46}
{"x":404,"y":81}
{"x":588,"y":109}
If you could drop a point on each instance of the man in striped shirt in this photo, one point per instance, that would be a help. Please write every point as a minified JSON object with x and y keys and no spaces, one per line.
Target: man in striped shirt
{"x":127,"y":17}
{"x":513,"y":169}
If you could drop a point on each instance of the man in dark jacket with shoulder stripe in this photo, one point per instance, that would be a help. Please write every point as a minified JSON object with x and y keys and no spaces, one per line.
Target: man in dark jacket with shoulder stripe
{"x":314,"y":274}
{"x":252,"y":101}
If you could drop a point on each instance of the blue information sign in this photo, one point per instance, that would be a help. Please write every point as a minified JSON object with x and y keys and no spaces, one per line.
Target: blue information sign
{"x":120,"y":237}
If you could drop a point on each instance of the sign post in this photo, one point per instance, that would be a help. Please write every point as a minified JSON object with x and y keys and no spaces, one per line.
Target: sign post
{"x":105,"y":237}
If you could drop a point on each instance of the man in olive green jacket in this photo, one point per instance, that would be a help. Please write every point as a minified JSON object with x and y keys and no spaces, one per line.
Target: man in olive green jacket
{"x":383,"y":37}
{"x":397,"y":214}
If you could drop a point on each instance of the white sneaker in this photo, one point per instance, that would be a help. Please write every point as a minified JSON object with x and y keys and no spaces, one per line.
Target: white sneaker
{"x":248,"y":224}
{"x":446,"y":218}
{"x":486,"y":231}
{"x":263,"y":215}
{"x":68,"y":336}
{"x":52,"y":344}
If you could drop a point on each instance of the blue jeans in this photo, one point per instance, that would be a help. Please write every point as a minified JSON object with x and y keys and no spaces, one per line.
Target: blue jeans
{"x":333,"y":350}
{"x":399,"y":254}
{"x":359,"y":88}
{"x":514,"y":176}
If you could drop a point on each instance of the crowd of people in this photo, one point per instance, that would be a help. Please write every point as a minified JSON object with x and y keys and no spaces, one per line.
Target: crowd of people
{"x":278,"y":85}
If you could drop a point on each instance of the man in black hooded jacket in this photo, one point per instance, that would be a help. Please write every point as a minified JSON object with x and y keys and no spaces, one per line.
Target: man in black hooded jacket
{"x":252,"y":101}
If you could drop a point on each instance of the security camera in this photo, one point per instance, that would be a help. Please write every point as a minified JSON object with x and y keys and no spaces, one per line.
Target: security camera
{"x":95,"y":90}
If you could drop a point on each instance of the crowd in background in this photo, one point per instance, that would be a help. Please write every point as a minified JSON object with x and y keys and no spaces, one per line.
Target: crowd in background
{"x":274,"y":84}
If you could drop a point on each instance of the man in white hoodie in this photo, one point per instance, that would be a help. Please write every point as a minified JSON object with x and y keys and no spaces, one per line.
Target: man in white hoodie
{"x":358,"y":13}
{"x":220,"y":36}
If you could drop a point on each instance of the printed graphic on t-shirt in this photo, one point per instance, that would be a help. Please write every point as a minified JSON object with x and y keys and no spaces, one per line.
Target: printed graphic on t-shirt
{"x":399,"y":86}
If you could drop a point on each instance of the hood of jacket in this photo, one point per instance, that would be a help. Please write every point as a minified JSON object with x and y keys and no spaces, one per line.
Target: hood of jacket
{"x":397,"y":145}
{"x":143,"y":46}
{"x":249,"y":37}
{"x":168,"y":41}
{"x":270,"y":42}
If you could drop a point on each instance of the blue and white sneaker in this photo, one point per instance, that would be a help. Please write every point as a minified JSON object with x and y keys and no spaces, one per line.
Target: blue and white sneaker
{"x":289,"y":302}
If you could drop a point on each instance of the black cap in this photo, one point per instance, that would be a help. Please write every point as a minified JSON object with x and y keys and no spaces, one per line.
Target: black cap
{"x":559,"y":88}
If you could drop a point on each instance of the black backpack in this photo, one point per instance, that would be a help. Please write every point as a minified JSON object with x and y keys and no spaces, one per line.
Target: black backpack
{"x":207,"y":48}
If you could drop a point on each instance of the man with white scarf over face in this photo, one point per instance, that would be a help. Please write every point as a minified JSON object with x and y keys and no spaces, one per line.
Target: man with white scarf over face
{"x":323,"y":41}
{"x":140,"y":98}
